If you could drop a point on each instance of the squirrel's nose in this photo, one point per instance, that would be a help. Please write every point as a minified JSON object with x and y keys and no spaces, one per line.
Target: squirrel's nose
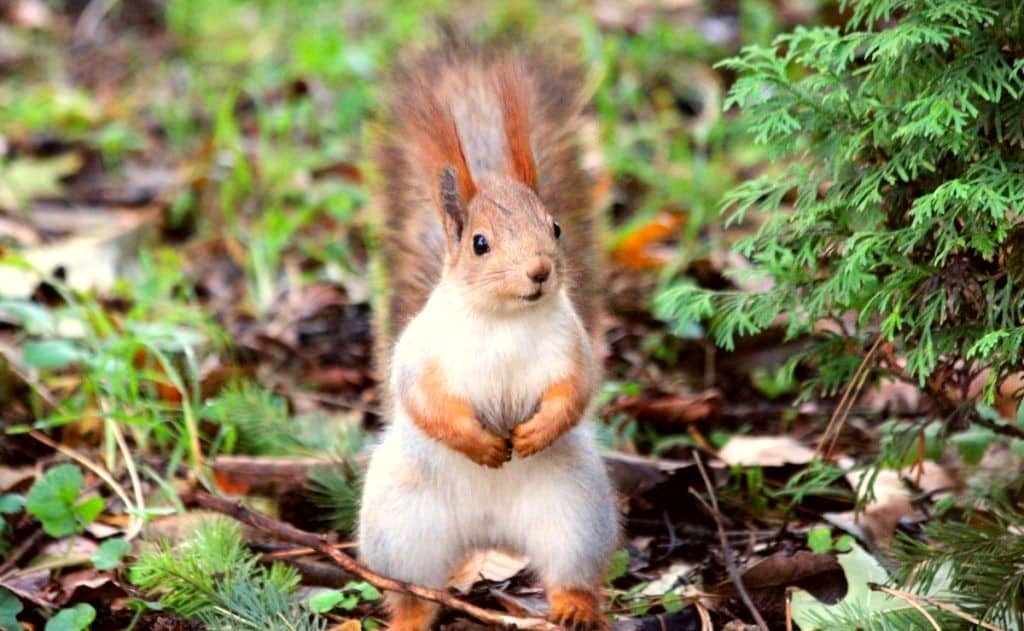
{"x":539,"y":269}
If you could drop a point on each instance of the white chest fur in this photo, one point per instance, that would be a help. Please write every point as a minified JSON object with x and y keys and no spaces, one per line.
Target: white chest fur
{"x":501,"y":364}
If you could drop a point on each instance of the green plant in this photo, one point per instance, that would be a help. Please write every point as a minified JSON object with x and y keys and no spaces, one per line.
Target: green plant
{"x":108,"y":556}
{"x":10,"y":607}
{"x":975,"y":564}
{"x":899,"y":200}
{"x":336,"y":490}
{"x":213,"y":576}
{"x":347,"y":598}
{"x":10,"y":504}
{"x":76,"y":618}
{"x":820,"y":540}
{"x":54,"y":500}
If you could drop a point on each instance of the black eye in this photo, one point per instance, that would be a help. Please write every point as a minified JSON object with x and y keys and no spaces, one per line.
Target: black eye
{"x":480,"y":245}
{"x":558,"y":230}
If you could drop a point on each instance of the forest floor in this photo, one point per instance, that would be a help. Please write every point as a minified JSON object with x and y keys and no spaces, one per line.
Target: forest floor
{"x":186,"y":292}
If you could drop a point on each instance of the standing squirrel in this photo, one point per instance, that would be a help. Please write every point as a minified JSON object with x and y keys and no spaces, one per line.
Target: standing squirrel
{"x":487,"y":339}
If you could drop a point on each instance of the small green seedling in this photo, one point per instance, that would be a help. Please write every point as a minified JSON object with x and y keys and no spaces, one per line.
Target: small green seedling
{"x":347,"y":598}
{"x":819,"y":539}
{"x":54,"y":501}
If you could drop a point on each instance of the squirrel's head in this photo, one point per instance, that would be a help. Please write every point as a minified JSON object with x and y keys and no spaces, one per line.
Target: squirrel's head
{"x":503,"y":246}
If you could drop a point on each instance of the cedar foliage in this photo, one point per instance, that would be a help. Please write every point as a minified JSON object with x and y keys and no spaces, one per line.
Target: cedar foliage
{"x":900,"y":196}
{"x":897,"y":195}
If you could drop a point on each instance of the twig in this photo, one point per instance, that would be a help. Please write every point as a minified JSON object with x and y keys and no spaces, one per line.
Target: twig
{"x":325,"y":546}
{"x":298,"y":552}
{"x":135,"y":517}
{"x":22,"y":549}
{"x":730,"y":565}
{"x":705,"y":617}
{"x":789,"y":608}
{"x":1005,"y":429}
{"x":913,"y":600}
{"x":909,"y":599}
{"x":842,"y":411}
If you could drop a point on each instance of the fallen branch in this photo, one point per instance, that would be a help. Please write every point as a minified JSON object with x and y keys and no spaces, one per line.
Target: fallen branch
{"x":730,"y":565}
{"x":325,"y":545}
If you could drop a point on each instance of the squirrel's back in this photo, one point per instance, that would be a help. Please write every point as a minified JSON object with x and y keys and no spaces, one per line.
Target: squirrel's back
{"x":479,"y":112}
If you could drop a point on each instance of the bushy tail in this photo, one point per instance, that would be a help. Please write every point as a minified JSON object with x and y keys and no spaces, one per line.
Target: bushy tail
{"x":478,"y":111}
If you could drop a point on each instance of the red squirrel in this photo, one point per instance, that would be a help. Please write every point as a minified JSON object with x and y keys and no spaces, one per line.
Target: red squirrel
{"x":487,"y":340}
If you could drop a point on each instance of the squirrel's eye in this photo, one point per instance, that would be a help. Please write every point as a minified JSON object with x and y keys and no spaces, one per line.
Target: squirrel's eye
{"x":558,"y":230}
{"x":480,"y":245}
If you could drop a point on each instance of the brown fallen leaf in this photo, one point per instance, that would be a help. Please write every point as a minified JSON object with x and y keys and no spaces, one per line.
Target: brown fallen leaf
{"x":673,"y":408}
{"x":87,"y":261}
{"x":892,"y":502}
{"x":89,"y":585}
{"x":262,"y":475}
{"x":634,"y":475}
{"x":766,"y":581}
{"x":488,"y":565}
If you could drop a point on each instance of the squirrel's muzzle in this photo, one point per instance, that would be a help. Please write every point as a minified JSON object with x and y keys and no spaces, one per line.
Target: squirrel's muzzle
{"x":539,"y":269}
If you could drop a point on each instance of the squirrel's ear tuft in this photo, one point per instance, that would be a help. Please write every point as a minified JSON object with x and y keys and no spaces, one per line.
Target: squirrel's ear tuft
{"x":452,"y":205}
{"x":512,"y":90}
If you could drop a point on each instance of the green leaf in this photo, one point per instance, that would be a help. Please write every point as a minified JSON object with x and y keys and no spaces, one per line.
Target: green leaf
{"x":844,"y":543}
{"x":618,"y":565}
{"x":108,"y":556}
{"x":11,"y":503}
{"x":77,"y":618}
{"x":88,"y":510}
{"x":50,"y":354}
{"x":972,"y":443}
{"x":10,"y":607}
{"x":33,"y":318}
{"x":52,"y":498}
{"x":366,"y":591}
{"x":819,"y":539}
{"x":672,"y":603}
{"x":326,"y":600}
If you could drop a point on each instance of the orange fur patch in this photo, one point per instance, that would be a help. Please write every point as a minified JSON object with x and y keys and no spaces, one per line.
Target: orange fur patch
{"x":561,"y":408}
{"x":575,"y":609}
{"x":444,"y":416}
{"x":409,"y":613}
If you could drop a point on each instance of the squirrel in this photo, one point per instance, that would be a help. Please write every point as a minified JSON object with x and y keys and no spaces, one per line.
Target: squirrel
{"x":488,"y":334}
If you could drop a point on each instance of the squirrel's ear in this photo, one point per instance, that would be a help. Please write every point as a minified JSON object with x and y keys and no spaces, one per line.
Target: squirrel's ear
{"x":452,"y":205}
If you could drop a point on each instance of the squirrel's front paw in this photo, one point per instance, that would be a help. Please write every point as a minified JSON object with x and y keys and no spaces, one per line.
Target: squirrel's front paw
{"x":530,"y":437}
{"x":483,"y":447}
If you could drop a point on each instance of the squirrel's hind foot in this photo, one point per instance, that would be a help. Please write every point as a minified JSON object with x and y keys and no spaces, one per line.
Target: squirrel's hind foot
{"x":409,"y":613}
{"x":576,"y":609}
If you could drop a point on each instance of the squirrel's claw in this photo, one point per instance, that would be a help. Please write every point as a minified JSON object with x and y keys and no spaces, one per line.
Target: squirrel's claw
{"x":488,"y":449}
{"x":531,"y":437}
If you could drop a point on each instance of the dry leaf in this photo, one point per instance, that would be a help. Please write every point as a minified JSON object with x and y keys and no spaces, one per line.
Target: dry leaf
{"x":86,"y":262}
{"x":489,"y":565}
{"x":668,"y":579}
{"x":765,"y":451}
